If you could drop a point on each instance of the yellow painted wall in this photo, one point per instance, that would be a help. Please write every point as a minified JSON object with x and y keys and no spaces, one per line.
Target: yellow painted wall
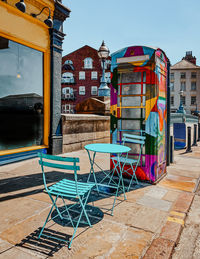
{"x":32,"y":32}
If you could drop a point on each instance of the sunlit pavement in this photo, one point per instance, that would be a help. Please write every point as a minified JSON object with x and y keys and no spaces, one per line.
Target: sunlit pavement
{"x":148,"y":224}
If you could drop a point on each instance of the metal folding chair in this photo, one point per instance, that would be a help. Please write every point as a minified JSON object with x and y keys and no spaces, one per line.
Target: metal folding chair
{"x":133,"y":139}
{"x":65,"y":189}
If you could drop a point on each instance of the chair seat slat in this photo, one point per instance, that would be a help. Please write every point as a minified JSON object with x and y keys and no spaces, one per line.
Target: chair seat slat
{"x":123,"y":160}
{"x":70,"y":185}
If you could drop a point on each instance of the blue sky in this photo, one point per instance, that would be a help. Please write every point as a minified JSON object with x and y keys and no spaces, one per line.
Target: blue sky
{"x":172,"y":25}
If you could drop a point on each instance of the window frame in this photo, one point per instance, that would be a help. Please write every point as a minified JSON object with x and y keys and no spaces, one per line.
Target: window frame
{"x":94,"y":77}
{"x":92,"y":87}
{"x":79,"y":90}
{"x":88,"y":65}
{"x":192,"y":88}
{"x":81,"y":73}
{"x":195,"y":98}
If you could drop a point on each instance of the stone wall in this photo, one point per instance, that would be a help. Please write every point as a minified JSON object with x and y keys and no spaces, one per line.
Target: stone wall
{"x":81,"y":129}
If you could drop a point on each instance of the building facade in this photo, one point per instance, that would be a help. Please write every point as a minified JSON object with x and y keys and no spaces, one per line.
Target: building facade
{"x":185,"y":84}
{"x":30,"y":60}
{"x":81,"y":75}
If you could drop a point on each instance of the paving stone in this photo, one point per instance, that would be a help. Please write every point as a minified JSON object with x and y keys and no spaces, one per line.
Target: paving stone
{"x":132,"y":244}
{"x":183,"y":202}
{"x":16,"y":210}
{"x":171,"y":196}
{"x":156,"y":192}
{"x":160,"y":249}
{"x":155,"y":203}
{"x":171,"y":231}
{"x":179,"y":182}
{"x":17,"y":254}
{"x":150,"y":219}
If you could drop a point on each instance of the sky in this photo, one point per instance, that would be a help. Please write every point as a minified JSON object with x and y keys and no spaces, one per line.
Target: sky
{"x":172,"y":25}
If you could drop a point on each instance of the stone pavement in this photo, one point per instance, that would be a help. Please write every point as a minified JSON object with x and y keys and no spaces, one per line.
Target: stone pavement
{"x":147,"y":225}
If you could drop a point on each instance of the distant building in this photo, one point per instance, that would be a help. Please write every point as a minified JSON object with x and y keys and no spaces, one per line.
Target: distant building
{"x":81,"y":74}
{"x":185,"y":76}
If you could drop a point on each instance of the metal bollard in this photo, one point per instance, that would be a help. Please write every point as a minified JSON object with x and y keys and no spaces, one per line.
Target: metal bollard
{"x":195,"y":135}
{"x":189,"y":139}
{"x":198,"y":132}
{"x":171,"y":149}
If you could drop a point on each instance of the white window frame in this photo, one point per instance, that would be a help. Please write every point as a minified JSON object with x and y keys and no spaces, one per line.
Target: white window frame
{"x":81,"y":75}
{"x":94,"y":92}
{"x":81,"y":90}
{"x":88,"y":63}
{"x":94,"y":75}
{"x":67,"y":77}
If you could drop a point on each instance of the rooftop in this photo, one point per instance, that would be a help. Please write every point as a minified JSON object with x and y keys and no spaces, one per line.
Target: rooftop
{"x":184,"y":64}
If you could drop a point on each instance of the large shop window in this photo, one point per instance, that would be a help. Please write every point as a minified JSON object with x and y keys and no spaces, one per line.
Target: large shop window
{"x":21,"y":96}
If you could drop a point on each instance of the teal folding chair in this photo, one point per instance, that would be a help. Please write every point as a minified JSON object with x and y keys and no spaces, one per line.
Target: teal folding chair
{"x":132,"y":139}
{"x":65,"y":189}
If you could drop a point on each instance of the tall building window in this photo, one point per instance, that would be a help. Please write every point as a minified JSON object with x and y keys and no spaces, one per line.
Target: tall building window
{"x":67,"y":78}
{"x":183,"y":86}
{"x":81,"y":75}
{"x":193,"y":100}
{"x":88,"y":63}
{"x":172,"y":86}
{"x":172,"y":76}
{"x":193,"y":86}
{"x":183,"y":75}
{"x":81,"y":90}
{"x":182,"y":99}
{"x":193,"y":75}
{"x":172,"y":100}
{"x":94,"y":90}
{"x":94,"y":75}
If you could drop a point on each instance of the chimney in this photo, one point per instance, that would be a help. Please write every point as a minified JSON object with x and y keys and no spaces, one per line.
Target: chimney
{"x":189,"y":57}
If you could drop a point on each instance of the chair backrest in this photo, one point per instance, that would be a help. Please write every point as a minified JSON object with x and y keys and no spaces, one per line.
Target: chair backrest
{"x":70,"y":164}
{"x":135,"y":139}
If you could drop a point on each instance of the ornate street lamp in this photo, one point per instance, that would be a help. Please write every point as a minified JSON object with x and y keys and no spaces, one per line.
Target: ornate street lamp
{"x":103,"y":53}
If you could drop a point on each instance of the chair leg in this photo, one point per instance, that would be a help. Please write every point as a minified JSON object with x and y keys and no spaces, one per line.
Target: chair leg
{"x":133,"y":175}
{"x":80,"y":216}
{"x":56,"y":206}
{"x":53,"y":205}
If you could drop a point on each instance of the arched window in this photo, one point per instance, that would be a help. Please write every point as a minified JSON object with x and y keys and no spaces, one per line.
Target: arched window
{"x":88,"y":63}
{"x":67,"y":78}
{"x":68,"y":65}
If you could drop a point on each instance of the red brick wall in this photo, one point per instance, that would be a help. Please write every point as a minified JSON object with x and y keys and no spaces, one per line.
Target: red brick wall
{"x":77,"y":57}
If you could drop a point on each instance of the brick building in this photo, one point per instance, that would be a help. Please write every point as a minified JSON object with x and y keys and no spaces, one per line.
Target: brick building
{"x":81,"y":75}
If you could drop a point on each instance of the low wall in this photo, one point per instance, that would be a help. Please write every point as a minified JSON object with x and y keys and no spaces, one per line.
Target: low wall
{"x":81,"y":129}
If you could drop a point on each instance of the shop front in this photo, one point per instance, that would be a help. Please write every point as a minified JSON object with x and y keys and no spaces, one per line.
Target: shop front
{"x":30,"y":58}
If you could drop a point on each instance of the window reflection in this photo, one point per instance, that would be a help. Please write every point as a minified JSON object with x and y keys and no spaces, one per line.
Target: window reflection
{"x":21,"y":95}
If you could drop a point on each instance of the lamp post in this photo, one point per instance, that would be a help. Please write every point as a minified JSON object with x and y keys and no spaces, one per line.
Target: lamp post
{"x":103,"y":53}
{"x":181,"y":108}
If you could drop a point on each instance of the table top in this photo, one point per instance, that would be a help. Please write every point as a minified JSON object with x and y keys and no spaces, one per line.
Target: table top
{"x":107,"y":148}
